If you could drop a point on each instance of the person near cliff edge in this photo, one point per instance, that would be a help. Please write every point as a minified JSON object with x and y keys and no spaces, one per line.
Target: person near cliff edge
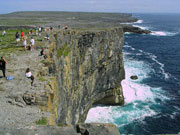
{"x":29,"y":75}
{"x":32,"y":42}
{"x":17,"y":37}
{"x":3,"y":63}
{"x":22,"y":34}
{"x":3,"y":33}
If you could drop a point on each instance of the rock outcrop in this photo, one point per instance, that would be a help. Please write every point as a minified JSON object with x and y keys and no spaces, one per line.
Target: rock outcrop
{"x":90,"y":70}
{"x":40,"y":130}
{"x":134,"y":77}
{"x":137,"y":30}
{"x":97,"y":129}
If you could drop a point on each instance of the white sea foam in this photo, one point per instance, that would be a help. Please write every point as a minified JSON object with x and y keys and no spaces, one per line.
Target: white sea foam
{"x":127,"y":33}
{"x":139,"y":21}
{"x":163,"y":33}
{"x":154,"y":58}
{"x":138,"y":98}
{"x":142,"y":27}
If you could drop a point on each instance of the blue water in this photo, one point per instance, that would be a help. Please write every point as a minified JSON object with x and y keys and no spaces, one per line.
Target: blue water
{"x":153,"y":101}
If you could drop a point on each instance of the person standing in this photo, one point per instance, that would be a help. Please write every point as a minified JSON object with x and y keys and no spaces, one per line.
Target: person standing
{"x":39,"y":30}
{"x":32,"y":42}
{"x":17,"y":37}
{"x":3,"y":63}
{"x":24,"y":42}
{"x":29,"y":75}
{"x":3,"y":33}
{"x":22,"y":34}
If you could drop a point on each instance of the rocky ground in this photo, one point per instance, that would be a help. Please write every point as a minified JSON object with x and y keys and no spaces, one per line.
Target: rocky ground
{"x":15,"y":110}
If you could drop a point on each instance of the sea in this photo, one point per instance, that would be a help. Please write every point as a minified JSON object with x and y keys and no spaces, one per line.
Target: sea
{"x":152,"y":102}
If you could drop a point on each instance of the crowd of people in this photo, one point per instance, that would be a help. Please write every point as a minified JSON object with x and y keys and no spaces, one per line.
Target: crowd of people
{"x":21,"y":37}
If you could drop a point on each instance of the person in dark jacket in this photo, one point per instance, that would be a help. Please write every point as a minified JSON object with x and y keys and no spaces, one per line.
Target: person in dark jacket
{"x":3,"y":63}
{"x":17,"y":37}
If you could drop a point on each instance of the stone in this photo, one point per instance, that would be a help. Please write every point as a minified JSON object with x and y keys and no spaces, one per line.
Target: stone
{"x":134,"y":77}
{"x":97,"y":129}
{"x":40,"y":130}
{"x":29,"y":98}
{"x":36,"y":98}
{"x":137,"y":30}
{"x":89,"y":70}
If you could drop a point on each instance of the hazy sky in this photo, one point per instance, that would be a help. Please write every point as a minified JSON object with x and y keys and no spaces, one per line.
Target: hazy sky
{"x":132,"y":6}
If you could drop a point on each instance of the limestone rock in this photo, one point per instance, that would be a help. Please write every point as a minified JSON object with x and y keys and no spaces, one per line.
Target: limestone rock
{"x":42,"y":130}
{"x":90,"y":70}
{"x":35,"y":98}
{"x":132,"y":29}
{"x":97,"y":129}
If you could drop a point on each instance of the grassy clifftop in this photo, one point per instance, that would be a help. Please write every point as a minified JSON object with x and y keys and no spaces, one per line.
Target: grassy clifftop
{"x":73,"y":19}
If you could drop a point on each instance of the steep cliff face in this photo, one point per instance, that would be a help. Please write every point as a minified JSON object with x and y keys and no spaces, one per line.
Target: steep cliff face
{"x":90,"y":70}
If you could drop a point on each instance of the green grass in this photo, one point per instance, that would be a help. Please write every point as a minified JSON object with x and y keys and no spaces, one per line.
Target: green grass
{"x":63,"y":51}
{"x":42,"y":79}
{"x":42,"y":121}
{"x":8,"y":42}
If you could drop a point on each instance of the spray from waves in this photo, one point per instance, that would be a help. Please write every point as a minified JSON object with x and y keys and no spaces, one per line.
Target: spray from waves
{"x":139,"y":21}
{"x":142,"y":27}
{"x":157,"y":33}
{"x":163,"y":33}
{"x":138,"y":99}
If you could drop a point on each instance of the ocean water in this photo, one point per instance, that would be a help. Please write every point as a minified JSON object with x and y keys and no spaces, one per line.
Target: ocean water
{"x":152,"y":103}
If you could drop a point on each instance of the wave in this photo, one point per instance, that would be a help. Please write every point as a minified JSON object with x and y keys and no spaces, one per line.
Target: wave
{"x":163,"y":33}
{"x":154,"y":58}
{"x":156,"y":33}
{"x":120,"y":116}
{"x":138,"y":99}
{"x":142,"y":27}
{"x":139,"y":21}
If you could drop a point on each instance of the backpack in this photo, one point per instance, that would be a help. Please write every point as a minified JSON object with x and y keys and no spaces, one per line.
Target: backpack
{"x":9,"y":78}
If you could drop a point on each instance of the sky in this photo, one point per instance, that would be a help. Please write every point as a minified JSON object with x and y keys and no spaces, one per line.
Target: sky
{"x":125,"y":6}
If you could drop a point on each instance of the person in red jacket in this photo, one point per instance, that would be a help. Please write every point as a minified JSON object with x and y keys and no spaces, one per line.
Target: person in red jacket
{"x":22,"y":34}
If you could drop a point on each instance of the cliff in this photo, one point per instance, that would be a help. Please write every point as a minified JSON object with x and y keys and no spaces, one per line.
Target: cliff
{"x":90,"y":70}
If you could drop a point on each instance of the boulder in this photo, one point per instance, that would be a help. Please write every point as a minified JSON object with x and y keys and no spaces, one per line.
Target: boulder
{"x":134,"y":77}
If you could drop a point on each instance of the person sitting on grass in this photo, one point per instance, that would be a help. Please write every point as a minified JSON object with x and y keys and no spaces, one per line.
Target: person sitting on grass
{"x":43,"y":54}
{"x":46,"y":37}
{"x":29,"y":75}
{"x":3,"y":63}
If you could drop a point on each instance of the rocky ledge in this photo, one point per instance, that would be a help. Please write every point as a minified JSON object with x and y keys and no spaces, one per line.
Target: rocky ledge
{"x":137,"y":30}
{"x":82,"y":129}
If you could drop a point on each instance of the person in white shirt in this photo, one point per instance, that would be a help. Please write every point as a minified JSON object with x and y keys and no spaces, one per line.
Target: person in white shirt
{"x":29,"y":75}
{"x":32,"y":43}
{"x":3,"y":33}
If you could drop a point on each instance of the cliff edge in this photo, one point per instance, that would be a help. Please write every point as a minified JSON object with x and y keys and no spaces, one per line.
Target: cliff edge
{"x":90,"y":70}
